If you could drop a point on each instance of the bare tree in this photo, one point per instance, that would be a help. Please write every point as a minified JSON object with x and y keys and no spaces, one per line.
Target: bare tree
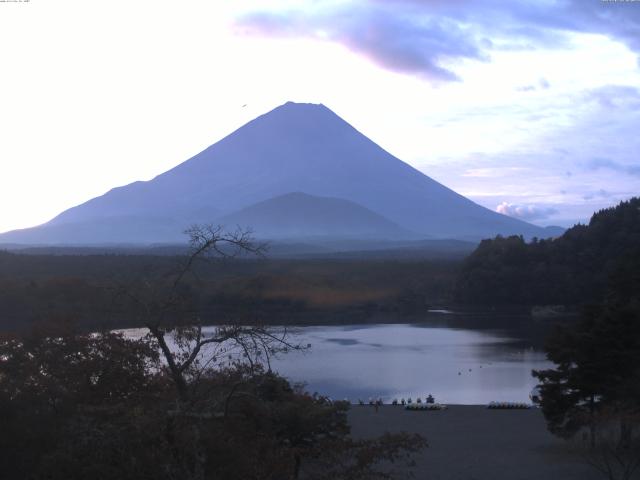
{"x":168,"y":310}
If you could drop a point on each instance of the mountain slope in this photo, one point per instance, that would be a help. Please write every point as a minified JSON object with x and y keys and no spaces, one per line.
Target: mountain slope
{"x":294,"y":148}
{"x":296,"y":215}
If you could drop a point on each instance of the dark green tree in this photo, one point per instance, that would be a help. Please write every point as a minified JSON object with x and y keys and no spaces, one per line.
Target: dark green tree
{"x":597,"y":365}
{"x":573,"y":269}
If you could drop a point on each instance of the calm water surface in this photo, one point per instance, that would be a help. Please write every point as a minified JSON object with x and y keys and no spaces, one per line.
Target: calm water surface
{"x":457,"y":366}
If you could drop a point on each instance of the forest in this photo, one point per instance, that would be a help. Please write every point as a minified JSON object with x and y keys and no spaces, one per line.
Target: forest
{"x":85,"y":288}
{"x":579,"y":267}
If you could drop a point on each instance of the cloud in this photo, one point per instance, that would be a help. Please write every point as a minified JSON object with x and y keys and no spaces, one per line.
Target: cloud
{"x":537,"y":20}
{"x":396,"y":40}
{"x":542,"y":84}
{"x":427,"y":37}
{"x":525,"y":212}
{"x":606,"y":164}
{"x":495,"y":171}
{"x":615,"y":96}
{"x":598,"y":194}
{"x":619,"y":20}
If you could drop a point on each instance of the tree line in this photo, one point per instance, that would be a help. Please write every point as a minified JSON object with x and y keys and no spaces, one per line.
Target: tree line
{"x":573,"y":269}
{"x":83,"y":288}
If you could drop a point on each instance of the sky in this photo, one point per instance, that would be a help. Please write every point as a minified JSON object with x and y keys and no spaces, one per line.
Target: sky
{"x":529,"y":108}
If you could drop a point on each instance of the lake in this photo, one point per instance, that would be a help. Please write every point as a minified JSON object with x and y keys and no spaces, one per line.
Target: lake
{"x":455,"y":365}
{"x":458,"y":359}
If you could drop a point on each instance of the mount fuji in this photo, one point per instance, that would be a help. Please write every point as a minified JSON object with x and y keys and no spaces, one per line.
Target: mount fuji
{"x":297,"y":171}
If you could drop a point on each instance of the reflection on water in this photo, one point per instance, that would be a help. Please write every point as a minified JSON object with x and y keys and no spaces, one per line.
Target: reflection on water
{"x":457,"y":366}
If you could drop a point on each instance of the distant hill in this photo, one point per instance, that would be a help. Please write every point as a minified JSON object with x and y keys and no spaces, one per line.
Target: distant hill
{"x":295,"y":148}
{"x":298,"y":215}
{"x":584,"y":265}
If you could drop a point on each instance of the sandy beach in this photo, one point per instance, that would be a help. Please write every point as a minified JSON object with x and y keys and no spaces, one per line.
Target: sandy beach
{"x":476,"y":443}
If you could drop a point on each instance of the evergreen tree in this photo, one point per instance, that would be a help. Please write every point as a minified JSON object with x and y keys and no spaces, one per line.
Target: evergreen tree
{"x":598,"y":366}
{"x":573,"y":269}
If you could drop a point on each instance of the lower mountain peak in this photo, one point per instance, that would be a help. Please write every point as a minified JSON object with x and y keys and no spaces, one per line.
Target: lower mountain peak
{"x":299,"y":214}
